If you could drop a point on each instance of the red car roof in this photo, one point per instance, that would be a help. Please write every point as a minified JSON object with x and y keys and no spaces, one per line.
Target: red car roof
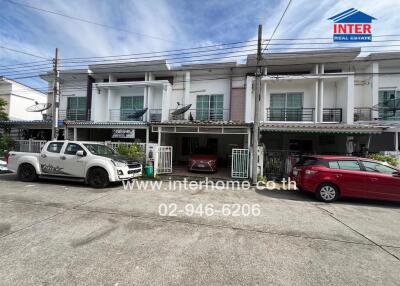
{"x":335,"y":157}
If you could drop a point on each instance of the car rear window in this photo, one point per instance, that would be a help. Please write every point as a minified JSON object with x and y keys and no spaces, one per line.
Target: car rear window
{"x":350,"y":165}
{"x":310,"y":161}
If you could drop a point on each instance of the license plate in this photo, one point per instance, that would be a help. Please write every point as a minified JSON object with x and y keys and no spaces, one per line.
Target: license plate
{"x":201,"y":165}
{"x":295,"y":172}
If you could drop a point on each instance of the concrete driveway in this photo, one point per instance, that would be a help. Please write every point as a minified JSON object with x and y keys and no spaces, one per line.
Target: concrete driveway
{"x":57,"y":233}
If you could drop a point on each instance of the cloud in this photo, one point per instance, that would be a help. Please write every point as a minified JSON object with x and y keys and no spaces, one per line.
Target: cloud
{"x":180,"y":23}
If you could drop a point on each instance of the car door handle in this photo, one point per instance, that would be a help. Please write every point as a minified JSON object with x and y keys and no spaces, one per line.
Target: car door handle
{"x":338,"y":175}
{"x":373,"y":179}
{"x":63,"y":157}
{"x":43,"y":155}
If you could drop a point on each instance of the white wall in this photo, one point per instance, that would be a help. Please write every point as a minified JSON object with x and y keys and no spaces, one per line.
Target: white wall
{"x":21,"y":97}
{"x":206,"y":87}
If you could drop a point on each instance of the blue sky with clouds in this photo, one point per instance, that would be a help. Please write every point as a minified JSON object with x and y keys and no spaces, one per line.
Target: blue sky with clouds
{"x":170,"y":24}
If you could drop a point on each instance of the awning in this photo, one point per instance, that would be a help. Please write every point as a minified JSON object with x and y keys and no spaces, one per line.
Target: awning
{"x":25,"y":123}
{"x":321,"y":128}
{"x":206,"y":127}
{"x":116,"y":125}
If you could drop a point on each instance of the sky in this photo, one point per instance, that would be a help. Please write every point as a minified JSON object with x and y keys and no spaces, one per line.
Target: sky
{"x":159,"y":25}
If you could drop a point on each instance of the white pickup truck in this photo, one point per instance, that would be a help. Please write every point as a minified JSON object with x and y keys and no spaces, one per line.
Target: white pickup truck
{"x":96,"y":164}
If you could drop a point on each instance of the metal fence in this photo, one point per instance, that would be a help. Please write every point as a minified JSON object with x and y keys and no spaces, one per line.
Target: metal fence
{"x":279,"y":163}
{"x":31,"y":146}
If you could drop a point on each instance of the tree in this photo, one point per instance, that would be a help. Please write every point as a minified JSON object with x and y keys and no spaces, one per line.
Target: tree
{"x":3,"y":113}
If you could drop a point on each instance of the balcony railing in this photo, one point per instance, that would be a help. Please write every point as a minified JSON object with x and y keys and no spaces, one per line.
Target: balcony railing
{"x":128,"y":115}
{"x":290,"y":114}
{"x":215,"y":114}
{"x":125,"y":115}
{"x":155,"y":115}
{"x":362,"y":114}
{"x":332,"y":115}
{"x":73,"y":114}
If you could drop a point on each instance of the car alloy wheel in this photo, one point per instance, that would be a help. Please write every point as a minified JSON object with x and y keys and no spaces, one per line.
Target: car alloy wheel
{"x":328,"y":193}
{"x":27,"y":173}
{"x":98,"y":178}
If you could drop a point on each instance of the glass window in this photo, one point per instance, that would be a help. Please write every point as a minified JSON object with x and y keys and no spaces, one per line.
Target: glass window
{"x":389,"y":103}
{"x":100,"y":150}
{"x":378,"y":168}
{"x":129,"y":105}
{"x":349,"y":165}
{"x":333,"y":164}
{"x":76,"y":108}
{"x":286,"y":106}
{"x":210,"y":107}
{"x":72,"y":148}
{"x":55,"y":147}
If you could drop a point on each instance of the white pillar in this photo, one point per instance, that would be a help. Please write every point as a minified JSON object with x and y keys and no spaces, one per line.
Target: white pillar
{"x":249,"y":95}
{"x":375,"y":87}
{"x":166,"y":102}
{"x":316,"y":101}
{"x":349,"y":108}
{"x":149,"y":104}
{"x":159,"y":136}
{"x":266,"y":101}
{"x":186,"y":95}
{"x":75,"y":134}
{"x":147,"y":135}
{"x":321,"y":100}
{"x":396,"y":141}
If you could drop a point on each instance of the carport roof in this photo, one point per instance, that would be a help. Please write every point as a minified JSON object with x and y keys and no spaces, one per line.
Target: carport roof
{"x":321,"y":128}
{"x":201,"y":123}
{"x":11,"y":123}
{"x":92,"y":124}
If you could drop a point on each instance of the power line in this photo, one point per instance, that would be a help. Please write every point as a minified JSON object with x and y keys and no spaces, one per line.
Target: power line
{"x":86,"y":21}
{"x":23,"y":52}
{"x":276,"y":28}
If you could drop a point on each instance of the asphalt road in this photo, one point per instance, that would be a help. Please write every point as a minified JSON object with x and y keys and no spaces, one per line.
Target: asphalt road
{"x":57,"y":233}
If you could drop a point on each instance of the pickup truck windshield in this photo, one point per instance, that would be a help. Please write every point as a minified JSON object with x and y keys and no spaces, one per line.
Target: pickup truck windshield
{"x":100,"y":150}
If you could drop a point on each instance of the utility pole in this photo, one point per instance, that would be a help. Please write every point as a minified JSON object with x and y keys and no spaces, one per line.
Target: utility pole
{"x":56,"y":96}
{"x":257,"y":98}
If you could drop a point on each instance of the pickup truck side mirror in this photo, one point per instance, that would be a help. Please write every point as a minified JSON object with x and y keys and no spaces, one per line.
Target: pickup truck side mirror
{"x":80,"y":153}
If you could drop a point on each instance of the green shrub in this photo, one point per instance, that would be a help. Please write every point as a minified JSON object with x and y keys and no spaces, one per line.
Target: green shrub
{"x":388,"y":159}
{"x":133,"y":151}
{"x":6,"y":144}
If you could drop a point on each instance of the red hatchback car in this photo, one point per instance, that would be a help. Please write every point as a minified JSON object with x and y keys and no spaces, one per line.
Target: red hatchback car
{"x":203,"y":160}
{"x":331,"y":177}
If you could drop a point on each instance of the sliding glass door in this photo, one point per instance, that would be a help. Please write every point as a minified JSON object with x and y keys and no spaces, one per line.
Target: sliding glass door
{"x":286,"y":106}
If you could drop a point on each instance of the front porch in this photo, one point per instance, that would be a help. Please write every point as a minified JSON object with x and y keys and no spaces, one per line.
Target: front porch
{"x":286,"y":143}
{"x":219,"y":137}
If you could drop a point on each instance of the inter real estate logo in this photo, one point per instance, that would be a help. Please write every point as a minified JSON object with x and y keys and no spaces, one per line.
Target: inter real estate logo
{"x":352,"y":26}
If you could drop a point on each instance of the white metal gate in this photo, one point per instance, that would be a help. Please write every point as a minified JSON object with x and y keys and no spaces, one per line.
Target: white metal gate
{"x":240,"y":163}
{"x":163,"y":160}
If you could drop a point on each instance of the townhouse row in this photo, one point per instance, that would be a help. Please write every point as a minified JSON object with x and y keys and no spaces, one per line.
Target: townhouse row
{"x":327,"y":101}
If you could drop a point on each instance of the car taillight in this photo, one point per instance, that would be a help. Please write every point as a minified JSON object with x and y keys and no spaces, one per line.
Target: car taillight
{"x":310,"y":172}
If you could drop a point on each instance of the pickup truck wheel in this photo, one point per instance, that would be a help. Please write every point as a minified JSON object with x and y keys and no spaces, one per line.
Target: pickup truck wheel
{"x":27,"y":173}
{"x":327,"y":193}
{"x":98,"y":178}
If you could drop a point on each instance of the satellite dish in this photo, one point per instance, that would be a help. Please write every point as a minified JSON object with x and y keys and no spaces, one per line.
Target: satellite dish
{"x":38,"y":107}
{"x":390,"y":105}
{"x":181,"y":110}
{"x":137,"y":114}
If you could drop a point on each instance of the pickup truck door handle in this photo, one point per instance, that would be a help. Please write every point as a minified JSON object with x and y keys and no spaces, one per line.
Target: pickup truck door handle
{"x":338,"y":175}
{"x":63,"y":157}
{"x":373,"y":179}
{"x":43,"y":155}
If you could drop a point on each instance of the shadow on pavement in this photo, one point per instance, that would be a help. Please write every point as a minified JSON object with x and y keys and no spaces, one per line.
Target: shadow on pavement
{"x":309,"y":197}
{"x":287,"y":195}
{"x":11,"y":177}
